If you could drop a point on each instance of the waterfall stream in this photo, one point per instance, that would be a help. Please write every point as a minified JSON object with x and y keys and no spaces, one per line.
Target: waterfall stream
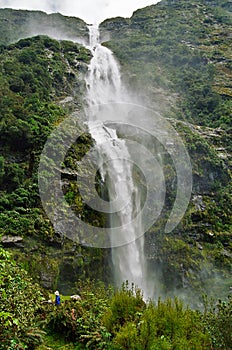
{"x":104,"y":87}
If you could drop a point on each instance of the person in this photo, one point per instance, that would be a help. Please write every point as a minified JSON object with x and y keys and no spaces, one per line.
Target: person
{"x":57,"y":300}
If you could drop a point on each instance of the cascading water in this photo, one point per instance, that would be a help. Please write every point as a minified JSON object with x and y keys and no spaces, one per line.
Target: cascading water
{"x":104,"y":87}
{"x":103,"y":80}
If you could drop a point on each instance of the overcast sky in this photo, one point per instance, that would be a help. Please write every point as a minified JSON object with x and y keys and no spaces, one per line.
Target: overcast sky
{"x":89,"y":10}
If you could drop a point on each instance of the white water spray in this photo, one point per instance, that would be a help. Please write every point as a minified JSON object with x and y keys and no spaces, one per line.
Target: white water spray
{"x":104,"y":86}
{"x":130,"y":217}
{"x":103,"y":80}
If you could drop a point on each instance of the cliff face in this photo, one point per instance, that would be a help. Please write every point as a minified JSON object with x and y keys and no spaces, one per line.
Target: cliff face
{"x":173,"y":36}
{"x":41,"y":83}
{"x":177,"y":57}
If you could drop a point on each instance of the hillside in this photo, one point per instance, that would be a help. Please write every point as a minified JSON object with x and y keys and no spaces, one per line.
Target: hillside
{"x":41,"y":83}
{"x":18,"y":24}
{"x":175,"y":58}
{"x":185,"y":47}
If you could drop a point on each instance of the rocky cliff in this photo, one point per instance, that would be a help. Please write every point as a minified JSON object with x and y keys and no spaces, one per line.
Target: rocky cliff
{"x":177,"y":57}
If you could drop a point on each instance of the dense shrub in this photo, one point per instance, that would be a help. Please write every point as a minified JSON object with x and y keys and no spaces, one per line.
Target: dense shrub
{"x":125,"y":305}
{"x":165,"y":325}
{"x":120,"y":321}
{"x":218,"y":322}
{"x":20,"y":303}
{"x":81,"y":321}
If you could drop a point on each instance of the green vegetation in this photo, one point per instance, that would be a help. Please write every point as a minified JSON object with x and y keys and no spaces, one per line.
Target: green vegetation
{"x":103,"y":319}
{"x":176,"y":57}
{"x":18,"y":24}
{"x":37,"y":74}
{"x":185,"y":48}
{"x":20,"y":302}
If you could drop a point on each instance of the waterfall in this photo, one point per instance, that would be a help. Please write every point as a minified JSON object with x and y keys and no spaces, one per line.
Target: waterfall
{"x":103,"y":80}
{"x":104,"y":87}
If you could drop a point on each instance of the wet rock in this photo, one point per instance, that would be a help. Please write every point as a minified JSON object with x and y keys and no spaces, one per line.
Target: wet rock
{"x":199,"y":246}
{"x":46,"y":279}
{"x":12,"y":241}
{"x":198,"y":202}
{"x":75,"y":297}
{"x":226,"y":253}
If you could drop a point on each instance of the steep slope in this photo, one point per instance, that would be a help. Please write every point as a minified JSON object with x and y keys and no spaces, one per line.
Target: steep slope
{"x":176,"y":58}
{"x":176,"y":55}
{"x":183,"y":46}
{"x":41,"y":83}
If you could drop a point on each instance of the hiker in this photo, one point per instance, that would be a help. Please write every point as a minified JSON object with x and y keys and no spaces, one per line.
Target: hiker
{"x":57,"y":300}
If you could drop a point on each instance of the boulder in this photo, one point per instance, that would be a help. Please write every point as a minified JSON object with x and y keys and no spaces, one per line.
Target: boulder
{"x":75,"y":297}
{"x":12,"y":241}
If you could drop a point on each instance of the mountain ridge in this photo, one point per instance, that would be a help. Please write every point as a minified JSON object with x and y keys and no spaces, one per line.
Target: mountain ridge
{"x":19,"y":24}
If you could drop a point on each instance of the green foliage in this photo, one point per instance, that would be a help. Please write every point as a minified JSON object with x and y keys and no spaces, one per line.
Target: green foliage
{"x":71,"y":191}
{"x":125,"y":305}
{"x":183,"y":50}
{"x":20,"y":301}
{"x":80,"y":321}
{"x":218,"y":322}
{"x":173,"y":322}
{"x":95,"y":321}
{"x":167,"y":325}
{"x":31,"y":77}
{"x":54,"y":341}
{"x":17,"y":24}
{"x":127,"y":337}
{"x":101,"y":320}
{"x":34,"y":72}
{"x":180,"y":50}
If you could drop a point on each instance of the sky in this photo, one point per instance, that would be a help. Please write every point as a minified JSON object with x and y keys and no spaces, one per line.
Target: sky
{"x":91,"y":11}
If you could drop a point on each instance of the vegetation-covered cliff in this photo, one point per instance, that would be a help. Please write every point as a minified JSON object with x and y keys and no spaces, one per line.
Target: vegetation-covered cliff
{"x":18,"y":24}
{"x":177,"y":57}
{"x":41,"y":83}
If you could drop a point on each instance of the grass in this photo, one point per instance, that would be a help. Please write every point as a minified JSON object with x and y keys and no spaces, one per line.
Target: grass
{"x":54,"y":341}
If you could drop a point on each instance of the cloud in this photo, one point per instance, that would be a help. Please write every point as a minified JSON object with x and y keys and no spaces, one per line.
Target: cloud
{"x":89,"y":10}
{"x":27,"y":4}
